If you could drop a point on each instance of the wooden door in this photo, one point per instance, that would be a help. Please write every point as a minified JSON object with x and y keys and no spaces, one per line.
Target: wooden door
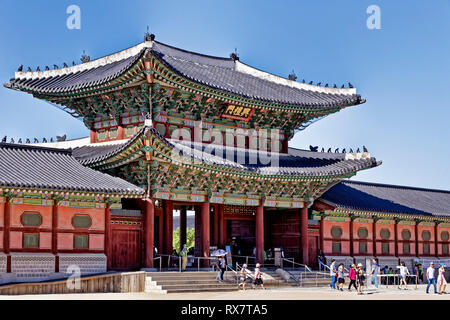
{"x":313,"y":245}
{"x":126,"y":243}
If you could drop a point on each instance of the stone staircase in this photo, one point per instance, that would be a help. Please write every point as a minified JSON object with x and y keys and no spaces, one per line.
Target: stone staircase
{"x":168,"y":282}
{"x":308,"y":279}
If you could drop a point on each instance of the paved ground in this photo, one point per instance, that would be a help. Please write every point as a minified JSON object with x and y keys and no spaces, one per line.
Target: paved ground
{"x":269,"y":294}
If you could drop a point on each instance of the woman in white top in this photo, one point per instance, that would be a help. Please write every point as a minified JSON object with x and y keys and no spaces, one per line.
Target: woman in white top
{"x":441,"y":280}
{"x":403,"y":273}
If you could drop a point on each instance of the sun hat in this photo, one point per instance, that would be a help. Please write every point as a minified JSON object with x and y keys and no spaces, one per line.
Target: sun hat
{"x":442,"y":264}
{"x":359,"y":264}
{"x":431,"y":263}
{"x":258,"y":265}
{"x":244,"y":266}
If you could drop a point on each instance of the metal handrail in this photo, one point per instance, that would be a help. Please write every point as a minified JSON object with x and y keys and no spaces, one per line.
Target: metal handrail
{"x":296,"y":263}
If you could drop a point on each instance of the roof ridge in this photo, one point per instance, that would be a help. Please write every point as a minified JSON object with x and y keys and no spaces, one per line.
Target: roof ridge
{"x":395,"y":186}
{"x":193,"y":52}
{"x":37,"y":148}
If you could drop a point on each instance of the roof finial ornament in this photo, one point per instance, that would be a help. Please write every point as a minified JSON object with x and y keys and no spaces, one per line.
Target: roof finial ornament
{"x":27,"y":141}
{"x":365,"y":149}
{"x":85,"y":58}
{"x":55,"y":67}
{"x":329,"y":150}
{"x":38,"y":69}
{"x":12,"y":140}
{"x":73,"y":63}
{"x":313,"y":149}
{"x":59,"y":138}
{"x":20,"y":68}
{"x":292,"y":76}
{"x":350,"y":85}
{"x":234,"y":56}
{"x":4,"y":139}
{"x":65,"y":65}
{"x":47,"y":68}
{"x":337,"y":150}
{"x":29,"y":69}
{"x":149,"y":36}
{"x":20,"y":140}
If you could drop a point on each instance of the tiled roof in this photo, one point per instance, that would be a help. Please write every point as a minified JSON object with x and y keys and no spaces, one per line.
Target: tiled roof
{"x":32,"y":167}
{"x":219,"y":73}
{"x":296,"y":162}
{"x":373,"y":197}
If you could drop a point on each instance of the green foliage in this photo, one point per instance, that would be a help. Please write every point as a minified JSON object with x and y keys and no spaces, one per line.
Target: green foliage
{"x":190,"y":238}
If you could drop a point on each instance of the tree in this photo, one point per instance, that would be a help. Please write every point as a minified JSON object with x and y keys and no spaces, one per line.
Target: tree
{"x":190,"y":238}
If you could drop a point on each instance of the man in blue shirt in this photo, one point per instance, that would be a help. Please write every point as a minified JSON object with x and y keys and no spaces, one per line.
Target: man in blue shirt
{"x":374,"y":272}
{"x":333,"y":272}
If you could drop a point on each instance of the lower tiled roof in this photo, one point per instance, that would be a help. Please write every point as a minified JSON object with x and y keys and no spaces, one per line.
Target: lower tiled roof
{"x":373,"y":197}
{"x":23,"y":166}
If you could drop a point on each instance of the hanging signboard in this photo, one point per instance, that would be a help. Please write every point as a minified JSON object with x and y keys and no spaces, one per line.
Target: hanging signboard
{"x":238,"y":113}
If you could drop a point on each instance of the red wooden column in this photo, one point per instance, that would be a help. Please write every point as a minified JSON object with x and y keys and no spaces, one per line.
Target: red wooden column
{"x":108,"y":242}
{"x":322,"y":218}
{"x":351,"y":236}
{"x":260,"y":234}
{"x":216,"y":225}
{"x":205,"y":234}
{"x":183,"y":226}
{"x":436,"y":239}
{"x":396,"y":236}
{"x":149,"y":232}
{"x":168,"y":226}
{"x":55,"y":234}
{"x":374,"y":236}
{"x":416,"y":230}
{"x":222,"y":228}
{"x":6,"y":230}
{"x":304,"y":234}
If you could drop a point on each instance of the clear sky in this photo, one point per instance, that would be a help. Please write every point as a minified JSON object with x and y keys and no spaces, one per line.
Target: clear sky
{"x":401,"y":69}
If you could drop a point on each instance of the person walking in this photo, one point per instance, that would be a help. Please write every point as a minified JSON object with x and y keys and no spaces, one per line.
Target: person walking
{"x":360,"y":278}
{"x":340,"y":278}
{"x":184,"y":258}
{"x":402,"y":276}
{"x":222,"y":267}
{"x":333,"y":274}
{"x":243,"y":276}
{"x":374,"y":272}
{"x":258,"y":278}
{"x":352,"y":278}
{"x":321,"y":258}
{"x":441,"y":280}
{"x":430,"y":277}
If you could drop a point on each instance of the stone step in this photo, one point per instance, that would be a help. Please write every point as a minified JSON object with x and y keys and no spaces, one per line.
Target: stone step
{"x":195,"y":289}
{"x":216,"y":285}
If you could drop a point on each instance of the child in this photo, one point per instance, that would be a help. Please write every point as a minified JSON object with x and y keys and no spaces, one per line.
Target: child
{"x":361,"y":278}
{"x":243,"y":276}
{"x":258,"y":278}
{"x":441,"y":280}
{"x":402,"y":276}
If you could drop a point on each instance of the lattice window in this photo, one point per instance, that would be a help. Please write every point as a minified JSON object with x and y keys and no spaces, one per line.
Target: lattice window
{"x":363,"y":233}
{"x":31,"y":219}
{"x":362,"y":247}
{"x":336,"y":247}
{"x":444,"y":236}
{"x":161,"y":128}
{"x":426,"y":235}
{"x":81,"y":241}
{"x":406,"y":248}
{"x":385,"y":248}
{"x":82,"y":221}
{"x":385,"y":233}
{"x":426,"y":248}
{"x":129,"y":131}
{"x":101,"y":135}
{"x":31,"y":240}
{"x":445,"y":248}
{"x":406,"y":234}
{"x":113,"y":133}
{"x":336,"y":232}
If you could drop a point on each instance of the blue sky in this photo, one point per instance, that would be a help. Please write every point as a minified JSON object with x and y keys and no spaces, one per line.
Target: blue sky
{"x":402,"y":69}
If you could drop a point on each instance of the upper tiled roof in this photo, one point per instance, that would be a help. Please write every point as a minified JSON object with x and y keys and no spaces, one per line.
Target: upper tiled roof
{"x":219,"y":73}
{"x":295,"y":163}
{"x":375,"y":197}
{"x":23,"y":166}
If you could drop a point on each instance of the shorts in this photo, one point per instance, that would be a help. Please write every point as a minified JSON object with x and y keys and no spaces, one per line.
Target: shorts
{"x":258,"y":281}
{"x":341,"y":280}
{"x":242,"y":279}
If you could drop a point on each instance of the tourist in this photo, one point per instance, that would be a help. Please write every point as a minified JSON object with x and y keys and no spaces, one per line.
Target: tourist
{"x":420,"y":272}
{"x":340,"y":278}
{"x":333,"y":274}
{"x":352,"y":277}
{"x":254,"y":254}
{"x":402,"y":276}
{"x":360,"y":278}
{"x":222,"y":267}
{"x":390,"y":278}
{"x":430,"y":277}
{"x":184,"y":257}
{"x":385,"y":271}
{"x":416,"y":272}
{"x":321,"y":259}
{"x":242,"y":276}
{"x":374,"y":272}
{"x":441,"y":280}
{"x":258,"y":277}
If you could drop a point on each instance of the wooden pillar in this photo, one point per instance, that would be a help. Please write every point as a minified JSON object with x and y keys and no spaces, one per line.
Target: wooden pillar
{"x":222,"y":227}
{"x":416,"y":230}
{"x":374,"y":237}
{"x":6,"y":231}
{"x":322,"y":218}
{"x":396,"y":237}
{"x":205,"y":235}
{"x":149,"y":232}
{"x":183,"y":226}
{"x":436,"y":239}
{"x":304,"y":234}
{"x":108,"y":242}
{"x":216,"y":225}
{"x":351,"y":236}
{"x":260,"y":234}
{"x":168,"y":227}
{"x":55,"y":234}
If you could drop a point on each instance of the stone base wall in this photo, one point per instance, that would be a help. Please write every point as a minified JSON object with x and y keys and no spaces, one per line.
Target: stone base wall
{"x":32,"y":265}
{"x":88,"y":263}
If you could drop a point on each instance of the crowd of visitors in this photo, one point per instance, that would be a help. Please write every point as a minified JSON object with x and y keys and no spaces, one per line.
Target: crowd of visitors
{"x":244,"y":274}
{"x":357,"y":276}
